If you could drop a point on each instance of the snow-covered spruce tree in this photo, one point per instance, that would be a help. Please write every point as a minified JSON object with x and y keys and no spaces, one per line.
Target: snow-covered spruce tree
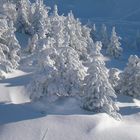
{"x":9,"y":10}
{"x":40,"y":23}
{"x":104,"y":36}
{"x":57,"y":30}
{"x":94,"y":33}
{"x":98,"y":92}
{"x":12,"y":47}
{"x":114,"y":48}
{"x":64,"y":77}
{"x":3,"y":48}
{"x":88,"y":41}
{"x":78,"y":41}
{"x":71,"y":71}
{"x":23,"y":8}
{"x":129,"y":83}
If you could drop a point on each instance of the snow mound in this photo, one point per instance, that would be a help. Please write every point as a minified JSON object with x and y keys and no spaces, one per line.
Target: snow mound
{"x":13,"y":87}
{"x":72,"y":127}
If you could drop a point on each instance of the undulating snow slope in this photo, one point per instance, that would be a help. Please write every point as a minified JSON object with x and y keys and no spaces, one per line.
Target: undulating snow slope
{"x":62,"y":120}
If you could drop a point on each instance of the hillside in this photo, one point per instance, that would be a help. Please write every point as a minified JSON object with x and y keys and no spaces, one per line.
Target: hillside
{"x":69,"y":75}
{"x":109,"y":9}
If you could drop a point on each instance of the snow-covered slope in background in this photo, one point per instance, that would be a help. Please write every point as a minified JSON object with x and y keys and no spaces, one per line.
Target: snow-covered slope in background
{"x":113,"y":9}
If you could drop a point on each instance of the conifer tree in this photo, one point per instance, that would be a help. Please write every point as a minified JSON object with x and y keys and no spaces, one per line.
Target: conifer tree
{"x":98,"y":92}
{"x":9,"y":47}
{"x":40,"y":21}
{"x":24,"y":11}
{"x":64,"y":77}
{"x":104,"y":36}
{"x":78,"y":40}
{"x":9,"y":10}
{"x":57,"y":27}
{"x":114,"y":50}
{"x":129,"y":83}
{"x":94,"y":33}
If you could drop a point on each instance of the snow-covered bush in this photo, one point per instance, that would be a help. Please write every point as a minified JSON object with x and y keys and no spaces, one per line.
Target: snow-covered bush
{"x":114,"y":77}
{"x":43,"y":83}
{"x":114,"y":50}
{"x":98,"y":92}
{"x":130,"y":78}
{"x":32,"y":44}
{"x":36,"y":47}
{"x":2,"y":75}
{"x":60,"y":74}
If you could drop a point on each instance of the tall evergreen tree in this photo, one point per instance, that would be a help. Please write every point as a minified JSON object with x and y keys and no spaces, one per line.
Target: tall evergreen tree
{"x":94,"y":33}
{"x":104,"y":36}
{"x":23,"y":8}
{"x":98,"y":92}
{"x":57,"y":27}
{"x":129,"y":83}
{"x":78,"y":40}
{"x":39,"y":20}
{"x":9,"y":47}
{"x":114,"y":48}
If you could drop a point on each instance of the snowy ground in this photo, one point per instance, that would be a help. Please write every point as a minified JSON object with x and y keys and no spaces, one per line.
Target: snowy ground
{"x":20,"y":119}
{"x":121,"y":63}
